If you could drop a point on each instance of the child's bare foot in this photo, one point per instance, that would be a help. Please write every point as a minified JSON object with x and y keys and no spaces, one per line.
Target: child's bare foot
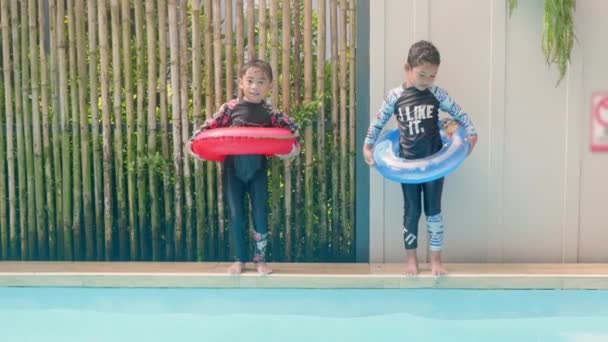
{"x":263,"y":268}
{"x":411,"y":263}
{"x":437,"y":268}
{"x":236,"y":268}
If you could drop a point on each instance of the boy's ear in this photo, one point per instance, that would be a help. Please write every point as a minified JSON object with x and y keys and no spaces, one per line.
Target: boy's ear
{"x":406,"y":67}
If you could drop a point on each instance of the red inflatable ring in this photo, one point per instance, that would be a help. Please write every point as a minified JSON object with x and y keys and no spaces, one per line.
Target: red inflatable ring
{"x":215,"y":144}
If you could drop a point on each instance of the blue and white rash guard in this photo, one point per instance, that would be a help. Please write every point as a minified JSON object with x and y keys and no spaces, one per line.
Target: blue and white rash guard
{"x":417,"y":114}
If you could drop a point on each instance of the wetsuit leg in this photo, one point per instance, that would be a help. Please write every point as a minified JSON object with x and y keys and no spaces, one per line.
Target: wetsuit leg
{"x":258,"y":192}
{"x":235,"y":194}
{"x":411,"y":214}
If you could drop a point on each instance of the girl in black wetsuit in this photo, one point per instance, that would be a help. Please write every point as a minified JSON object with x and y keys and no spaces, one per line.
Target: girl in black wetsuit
{"x":247,"y":173}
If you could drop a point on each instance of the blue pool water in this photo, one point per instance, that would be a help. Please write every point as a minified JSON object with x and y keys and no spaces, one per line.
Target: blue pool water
{"x":81,"y":314}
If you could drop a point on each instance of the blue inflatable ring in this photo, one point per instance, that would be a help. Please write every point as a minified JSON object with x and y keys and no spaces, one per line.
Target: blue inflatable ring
{"x":416,"y":171}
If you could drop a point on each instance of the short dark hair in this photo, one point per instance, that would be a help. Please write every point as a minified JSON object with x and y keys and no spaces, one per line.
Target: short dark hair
{"x":423,"y":52}
{"x":256,"y":63}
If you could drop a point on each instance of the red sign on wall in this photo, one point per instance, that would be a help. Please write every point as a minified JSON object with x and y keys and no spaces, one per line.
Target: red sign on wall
{"x":599,"y":122}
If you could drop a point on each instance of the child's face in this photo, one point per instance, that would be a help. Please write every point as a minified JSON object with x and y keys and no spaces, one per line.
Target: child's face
{"x":255,"y":85}
{"x":421,"y":76}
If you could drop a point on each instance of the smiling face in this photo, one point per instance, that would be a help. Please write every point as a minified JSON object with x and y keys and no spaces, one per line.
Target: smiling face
{"x":255,"y":85}
{"x":421,"y":76}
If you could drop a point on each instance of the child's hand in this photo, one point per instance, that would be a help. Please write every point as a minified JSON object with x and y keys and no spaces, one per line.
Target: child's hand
{"x":472,"y":141}
{"x":188,"y":150}
{"x":368,"y":155}
{"x":295,"y":150}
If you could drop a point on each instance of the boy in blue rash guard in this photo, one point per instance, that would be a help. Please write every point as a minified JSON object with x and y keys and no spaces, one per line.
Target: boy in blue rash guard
{"x":416,"y":104}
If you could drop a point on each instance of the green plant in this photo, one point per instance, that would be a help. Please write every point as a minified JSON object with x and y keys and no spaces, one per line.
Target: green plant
{"x":558,"y":32}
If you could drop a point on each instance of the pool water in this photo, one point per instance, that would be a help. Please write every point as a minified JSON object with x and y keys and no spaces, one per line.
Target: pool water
{"x":86,"y":314}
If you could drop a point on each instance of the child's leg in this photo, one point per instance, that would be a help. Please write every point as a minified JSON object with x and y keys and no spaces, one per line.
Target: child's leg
{"x":235,"y":192}
{"x":411,"y":216}
{"x":434,"y":223}
{"x":258,"y":191}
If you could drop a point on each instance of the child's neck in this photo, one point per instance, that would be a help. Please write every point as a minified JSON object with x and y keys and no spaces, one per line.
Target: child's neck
{"x":251,"y":102}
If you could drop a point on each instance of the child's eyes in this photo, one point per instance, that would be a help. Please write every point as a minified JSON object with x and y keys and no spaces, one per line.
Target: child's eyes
{"x":258,"y":82}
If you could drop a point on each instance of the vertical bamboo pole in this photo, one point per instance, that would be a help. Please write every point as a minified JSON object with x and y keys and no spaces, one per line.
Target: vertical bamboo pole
{"x":10,"y":148}
{"x":142,"y":162}
{"x":351,"y":121}
{"x":240,"y":39}
{"x":185,"y":132}
{"x":65,"y":136}
{"x":274,"y":172}
{"x":297,"y":96}
{"x":198,"y":120}
{"x":297,"y":51}
{"x":321,"y":170}
{"x":262,"y":26}
{"x":66,"y":161}
{"x":55,"y":231}
{"x":121,"y":202}
{"x":106,"y":128}
{"x":47,"y":184}
{"x":285,"y":107}
{"x":22,"y":189}
{"x":250,"y":29}
{"x":209,"y":111}
{"x":335,"y":224}
{"x":95,"y":149}
{"x":177,"y":129}
{"x":37,"y":135}
{"x":308,"y":131}
{"x":4,"y":246}
{"x":240,"y":36}
{"x":343,"y":71}
{"x":84,"y":134}
{"x":164,"y":127}
{"x":151,"y":28}
{"x":229,"y":43}
{"x":130,"y":123}
{"x":27,"y":136}
{"x":76,"y":162}
{"x":219,"y":99}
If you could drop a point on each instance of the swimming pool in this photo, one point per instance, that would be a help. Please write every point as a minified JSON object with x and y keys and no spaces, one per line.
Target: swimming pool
{"x":98,"y":314}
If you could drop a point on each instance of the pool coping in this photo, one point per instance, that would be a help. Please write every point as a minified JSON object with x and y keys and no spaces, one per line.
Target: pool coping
{"x":300,"y":275}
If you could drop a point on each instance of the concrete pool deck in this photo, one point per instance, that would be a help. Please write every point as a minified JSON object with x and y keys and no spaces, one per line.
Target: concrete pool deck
{"x":300,"y":275}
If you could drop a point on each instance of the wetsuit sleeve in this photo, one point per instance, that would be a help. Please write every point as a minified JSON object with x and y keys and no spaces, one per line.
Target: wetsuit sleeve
{"x":448,"y":105}
{"x":279,"y":119}
{"x":219,"y":119}
{"x":382,"y":116}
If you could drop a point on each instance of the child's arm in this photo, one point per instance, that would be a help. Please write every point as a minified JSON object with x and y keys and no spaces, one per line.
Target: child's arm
{"x":384,"y":114}
{"x":448,"y":105}
{"x":279,"y":119}
{"x":219,"y":119}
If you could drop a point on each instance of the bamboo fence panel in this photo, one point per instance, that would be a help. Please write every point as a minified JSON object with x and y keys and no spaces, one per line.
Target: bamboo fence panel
{"x":100,"y":98}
